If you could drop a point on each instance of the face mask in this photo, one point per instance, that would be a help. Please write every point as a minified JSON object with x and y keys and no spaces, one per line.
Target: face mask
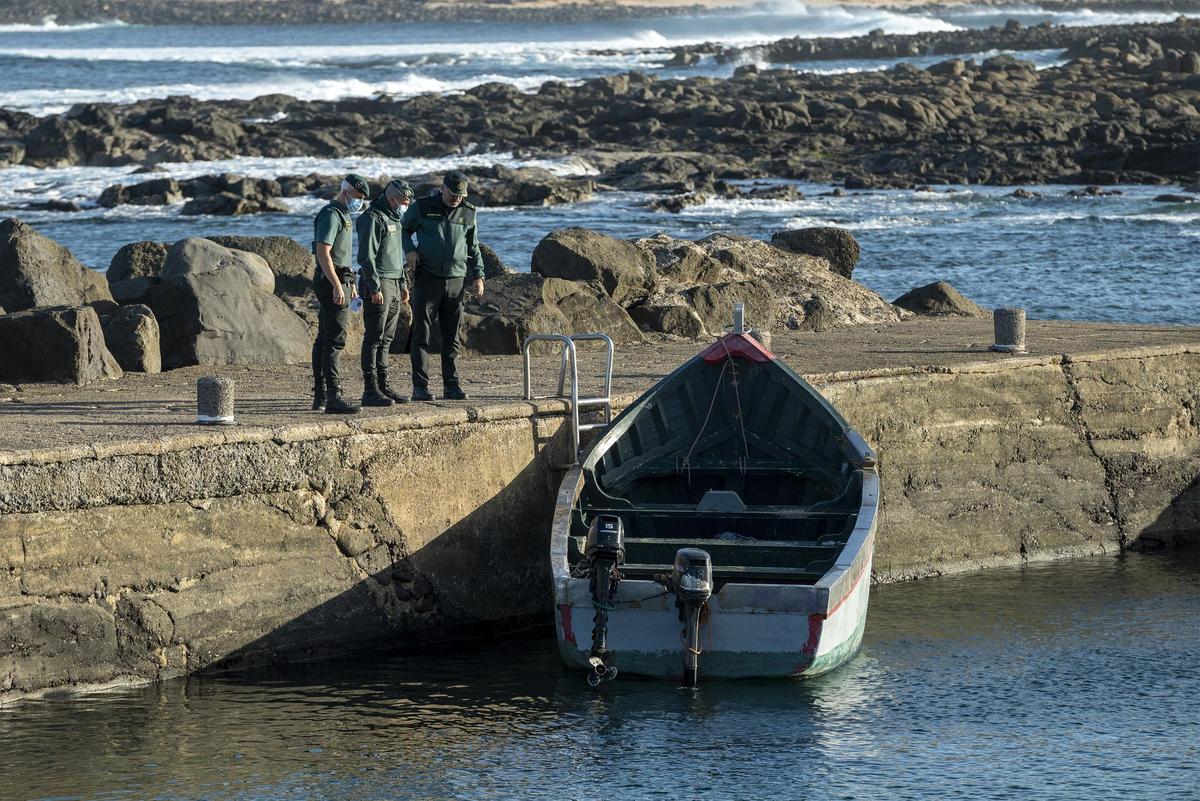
{"x":401,"y":209}
{"x":355,"y":204}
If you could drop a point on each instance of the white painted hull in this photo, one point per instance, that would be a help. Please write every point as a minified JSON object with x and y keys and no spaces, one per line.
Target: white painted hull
{"x":754,"y":630}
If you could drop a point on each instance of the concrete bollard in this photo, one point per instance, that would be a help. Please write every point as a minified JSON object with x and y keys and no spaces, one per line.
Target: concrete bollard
{"x":1010,"y":331}
{"x":214,"y":401}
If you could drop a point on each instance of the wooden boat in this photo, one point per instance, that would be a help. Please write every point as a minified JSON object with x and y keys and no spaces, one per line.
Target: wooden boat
{"x":735,"y":458}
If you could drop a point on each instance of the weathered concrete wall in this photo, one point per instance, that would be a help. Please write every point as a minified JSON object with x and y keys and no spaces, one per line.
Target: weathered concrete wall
{"x":145,"y":560}
{"x":1031,"y":458}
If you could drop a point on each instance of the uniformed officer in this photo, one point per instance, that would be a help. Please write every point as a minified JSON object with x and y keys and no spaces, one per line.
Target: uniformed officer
{"x":444,"y":256}
{"x":382,"y":284}
{"x":333,"y":282}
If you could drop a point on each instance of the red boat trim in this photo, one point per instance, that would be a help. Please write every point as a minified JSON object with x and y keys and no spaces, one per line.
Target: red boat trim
{"x":817,"y":619}
{"x":564,"y":613}
{"x":731,"y":345}
{"x":849,"y":592}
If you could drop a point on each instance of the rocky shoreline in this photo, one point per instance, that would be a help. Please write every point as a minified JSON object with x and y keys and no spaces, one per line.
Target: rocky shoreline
{"x":1125,"y":109}
{"x":249,"y":300}
{"x":1075,"y":41}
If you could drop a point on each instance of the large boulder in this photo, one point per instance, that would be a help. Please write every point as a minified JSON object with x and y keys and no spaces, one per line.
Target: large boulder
{"x":836,"y":245}
{"x":493,"y":266}
{"x":622,"y":269}
{"x":939,"y":299}
{"x":713,"y":303}
{"x":215,"y":306}
{"x":131,"y":335}
{"x":196,"y":256}
{"x":137,"y":260}
{"x":292,"y":263}
{"x":62,"y":344}
{"x":668,"y":316}
{"x":37,"y":271}
{"x":796,"y":281}
{"x":518,"y":304}
{"x":229,"y":205}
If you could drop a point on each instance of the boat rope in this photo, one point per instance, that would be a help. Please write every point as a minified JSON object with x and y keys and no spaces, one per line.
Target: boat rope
{"x":745,"y":461}
{"x":687,"y":460}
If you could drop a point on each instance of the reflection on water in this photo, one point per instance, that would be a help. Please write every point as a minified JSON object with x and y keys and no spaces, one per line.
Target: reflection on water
{"x":1069,"y":680}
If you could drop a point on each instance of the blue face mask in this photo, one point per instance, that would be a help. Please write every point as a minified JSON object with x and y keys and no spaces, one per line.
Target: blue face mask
{"x":355,"y":205}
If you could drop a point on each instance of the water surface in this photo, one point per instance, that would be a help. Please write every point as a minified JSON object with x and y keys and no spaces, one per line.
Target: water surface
{"x":1073,"y":680}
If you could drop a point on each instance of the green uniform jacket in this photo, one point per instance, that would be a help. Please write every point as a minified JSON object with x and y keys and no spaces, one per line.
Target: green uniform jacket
{"x":380,"y":252}
{"x":334,"y":227}
{"x":447,"y":239}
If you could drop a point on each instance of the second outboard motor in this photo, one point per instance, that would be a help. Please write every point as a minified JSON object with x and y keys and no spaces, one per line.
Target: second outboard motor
{"x":605,"y":553}
{"x":693,"y":585}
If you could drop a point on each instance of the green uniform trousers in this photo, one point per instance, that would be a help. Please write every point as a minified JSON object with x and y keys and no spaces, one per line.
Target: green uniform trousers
{"x":380,"y":320}
{"x":332,"y":322}
{"x":440,"y":299}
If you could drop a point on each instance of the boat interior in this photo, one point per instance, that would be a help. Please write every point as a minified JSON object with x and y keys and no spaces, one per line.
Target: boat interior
{"x":742,"y":459}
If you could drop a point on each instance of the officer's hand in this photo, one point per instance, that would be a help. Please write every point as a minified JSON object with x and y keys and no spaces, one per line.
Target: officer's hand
{"x":339,"y":295}
{"x":411,"y":260}
{"x":404,"y":295}
{"x":377,"y":298}
{"x":478,"y":287}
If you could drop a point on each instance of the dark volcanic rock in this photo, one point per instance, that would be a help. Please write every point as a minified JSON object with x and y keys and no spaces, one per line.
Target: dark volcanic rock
{"x":37,"y":271}
{"x":750,"y":270}
{"x":204,"y":256}
{"x":518,"y":304}
{"x":137,"y":260}
{"x":292,"y":263}
{"x":215,"y":306}
{"x":836,"y":245}
{"x":623,"y":270}
{"x":131,"y":334}
{"x":493,"y":267}
{"x":59,"y":344}
{"x":1125,"y":110}
{"x":939,"y":299}
{"x":228,"y":204}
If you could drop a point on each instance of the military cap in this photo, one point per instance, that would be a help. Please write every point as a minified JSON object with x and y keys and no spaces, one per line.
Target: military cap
{"x":456,"y":182}
{"x":401,"y":189}
{"x":358,"y":184}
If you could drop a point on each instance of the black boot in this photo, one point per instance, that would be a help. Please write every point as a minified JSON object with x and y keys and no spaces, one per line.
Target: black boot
{"x":454,"y":393}
{"x":318,"y":395}
{"x":336,"y":404}
{"x":371,"y":394}
{"x":422,"y":394}
{"x":381,"y":376}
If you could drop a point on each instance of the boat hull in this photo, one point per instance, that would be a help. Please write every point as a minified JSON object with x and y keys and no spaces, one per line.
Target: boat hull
{"x":778,"y":468}
{"x":783,"y":635}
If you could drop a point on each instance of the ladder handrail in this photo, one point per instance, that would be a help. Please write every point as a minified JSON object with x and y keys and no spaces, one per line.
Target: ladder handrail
{"x":570,"y":356}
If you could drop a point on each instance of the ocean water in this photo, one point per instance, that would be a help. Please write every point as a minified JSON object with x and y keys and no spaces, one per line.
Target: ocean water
{"x":1057,"y":682}
{"x":46,"y":68}
{"x":1122,"y":258}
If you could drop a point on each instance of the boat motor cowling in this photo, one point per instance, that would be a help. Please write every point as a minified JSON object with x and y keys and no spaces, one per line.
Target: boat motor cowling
{"x":606,"y":540}
{"x":692,"y":582}
{"x":692,"y":577}
{"x":604,"y":554}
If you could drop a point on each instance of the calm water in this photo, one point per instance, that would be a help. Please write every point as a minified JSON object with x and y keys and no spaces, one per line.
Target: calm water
{"x":1075,"y":680}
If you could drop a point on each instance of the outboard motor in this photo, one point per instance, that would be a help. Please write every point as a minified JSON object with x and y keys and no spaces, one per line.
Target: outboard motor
{"x":693,"y":585}
{"x":605,"y":553}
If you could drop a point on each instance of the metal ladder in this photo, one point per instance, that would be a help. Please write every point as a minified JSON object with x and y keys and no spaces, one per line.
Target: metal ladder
{"x":569,"y":359}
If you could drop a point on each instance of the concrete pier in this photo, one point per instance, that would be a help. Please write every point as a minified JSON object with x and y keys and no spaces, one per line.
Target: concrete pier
{"x":134,"y":546}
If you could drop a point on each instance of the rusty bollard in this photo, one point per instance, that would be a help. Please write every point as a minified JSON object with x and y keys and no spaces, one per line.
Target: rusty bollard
{"x":214,"y":401}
